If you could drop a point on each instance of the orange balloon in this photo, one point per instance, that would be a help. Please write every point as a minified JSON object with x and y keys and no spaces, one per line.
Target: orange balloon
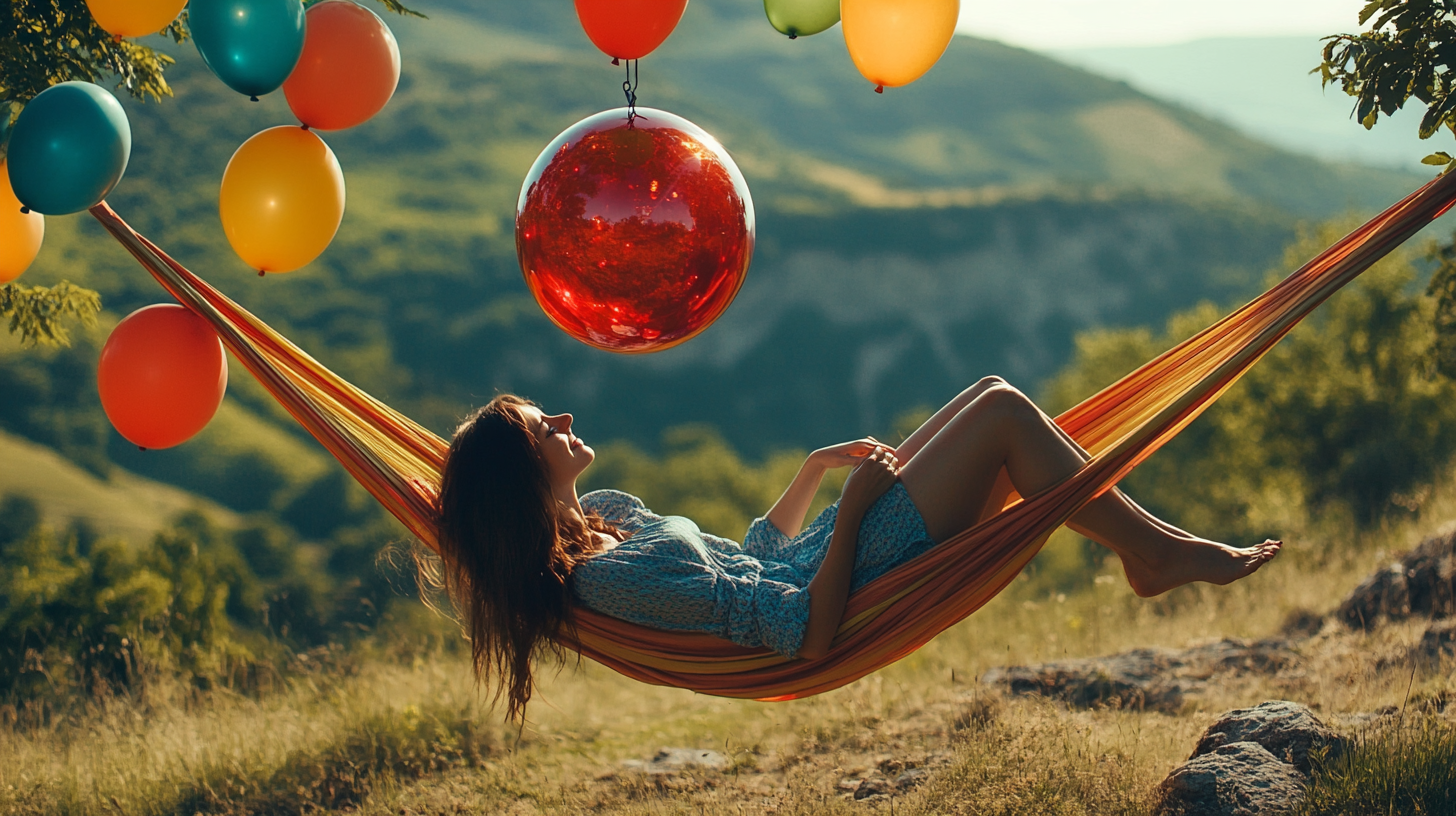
{"x":162,"y":375}
{"x":20,"y":233}
{"x":282,"y":199}
{"x":629,"y":29}
{"x":134,"y":18}
{"x":349,"y":68}
{"x":893,"y":42}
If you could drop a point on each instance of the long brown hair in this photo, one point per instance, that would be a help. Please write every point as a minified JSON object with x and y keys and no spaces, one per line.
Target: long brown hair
{"x":506,"y":553}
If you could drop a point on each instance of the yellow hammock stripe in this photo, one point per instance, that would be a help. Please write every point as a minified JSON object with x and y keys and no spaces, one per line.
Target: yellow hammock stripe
{"x":399,"y":462}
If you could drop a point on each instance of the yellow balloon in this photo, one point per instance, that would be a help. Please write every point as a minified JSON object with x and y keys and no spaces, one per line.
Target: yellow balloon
{"x":893,"y":42}
{"x":134,"y":18}
{"x":20,"y":233}
{"x":282,"y":199}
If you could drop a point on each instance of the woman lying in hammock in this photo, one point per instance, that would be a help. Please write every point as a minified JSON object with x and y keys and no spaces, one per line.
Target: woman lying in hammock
{"x":519,"y":547}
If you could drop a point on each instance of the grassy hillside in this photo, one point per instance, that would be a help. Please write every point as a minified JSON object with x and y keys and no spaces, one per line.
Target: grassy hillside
{"x":125,"y":505}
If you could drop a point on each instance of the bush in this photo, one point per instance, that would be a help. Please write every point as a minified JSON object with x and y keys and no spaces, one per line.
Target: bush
{"x":82,"y":616}
{"x":93,"y":620}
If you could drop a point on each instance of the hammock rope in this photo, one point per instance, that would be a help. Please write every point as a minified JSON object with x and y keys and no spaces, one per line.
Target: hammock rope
{"x":399,"y":462}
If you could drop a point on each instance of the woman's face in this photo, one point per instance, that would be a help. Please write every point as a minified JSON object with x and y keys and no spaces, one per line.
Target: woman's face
{"x":565,"y":455}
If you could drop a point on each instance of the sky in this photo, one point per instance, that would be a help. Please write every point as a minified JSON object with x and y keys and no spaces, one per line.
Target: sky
{"x":1055,"y":24}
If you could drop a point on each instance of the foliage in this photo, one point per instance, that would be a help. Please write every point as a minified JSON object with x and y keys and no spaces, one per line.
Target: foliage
{"x":83,"y":616}
{"x":36,"y":312}
{"x":1409,"y":51}
{"x":1402,"y":771}
{"x":1345,"y":415}
{"x":45,"y":42}
{"x":86,"y":616}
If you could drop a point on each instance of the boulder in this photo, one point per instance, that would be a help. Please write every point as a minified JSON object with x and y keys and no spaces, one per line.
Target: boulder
{"x":1438,"y":641}
{"x":1420,"y":582}
{"x":1287,"y":730}
{"x":1237,"y":779}
{"x":1154,"y":678}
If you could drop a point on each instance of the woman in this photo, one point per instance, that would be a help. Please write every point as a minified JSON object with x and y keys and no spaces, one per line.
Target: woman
{"x":519,"y":547}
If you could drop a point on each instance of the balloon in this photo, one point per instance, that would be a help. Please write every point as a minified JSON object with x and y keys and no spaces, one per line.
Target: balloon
{"x":20,"y":233}
{"x":349,"y":68}
{"x":893,"y":42}
{"x":634,"y":236}
{"x":134,"y":18}
{"x":282,"y":199}
{"x":252,"y":45}
{"x":629,"y":29}
{"x":161,"y":376}
{"x":68,"y":149}
{"x":800,"y":18}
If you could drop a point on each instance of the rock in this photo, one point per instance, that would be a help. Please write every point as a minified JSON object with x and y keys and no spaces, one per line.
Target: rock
{"x":1287,"y":730}
{"x":1421,"y":582}
{"x":1155,"y":678}
{"x":1439,"y":641}
{"x":910,"y":779}
{"x":874,"y":786}
{"x":1237,"y":779}
{"x":672,"y":760}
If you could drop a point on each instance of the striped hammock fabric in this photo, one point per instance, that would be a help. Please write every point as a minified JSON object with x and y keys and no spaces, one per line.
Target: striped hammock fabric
{"x":399,"y":462}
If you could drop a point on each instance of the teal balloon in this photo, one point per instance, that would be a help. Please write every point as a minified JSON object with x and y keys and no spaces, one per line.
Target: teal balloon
{"x":800,"y":18}
{"x":251,"y":45}
{"x":68,"y":149}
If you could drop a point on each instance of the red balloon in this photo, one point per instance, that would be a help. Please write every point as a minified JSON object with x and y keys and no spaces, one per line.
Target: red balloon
{"x":348,"y":70}
{"x":162,"y":376}
{"x":629,"y":29}
{"x":634,"y":235}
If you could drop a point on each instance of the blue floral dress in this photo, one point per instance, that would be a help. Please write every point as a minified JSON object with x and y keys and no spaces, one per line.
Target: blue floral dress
{"x":670,"y":575}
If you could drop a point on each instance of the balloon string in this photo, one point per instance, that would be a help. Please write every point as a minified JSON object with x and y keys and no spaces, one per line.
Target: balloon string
{"x":629,"y":87}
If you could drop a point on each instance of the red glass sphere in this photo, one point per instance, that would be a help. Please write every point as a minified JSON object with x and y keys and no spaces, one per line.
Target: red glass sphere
{"x":634,"y":236}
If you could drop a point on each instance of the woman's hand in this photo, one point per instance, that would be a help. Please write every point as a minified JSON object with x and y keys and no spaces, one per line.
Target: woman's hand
{"x":847,"y":454}
{"x":869,"y":480}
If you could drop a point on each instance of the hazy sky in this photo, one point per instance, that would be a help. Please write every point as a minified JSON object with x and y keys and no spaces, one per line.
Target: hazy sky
{"x":1082,"y":23}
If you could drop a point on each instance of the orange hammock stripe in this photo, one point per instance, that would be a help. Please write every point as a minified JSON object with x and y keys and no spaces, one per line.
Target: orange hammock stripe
{"x":399,"y":462}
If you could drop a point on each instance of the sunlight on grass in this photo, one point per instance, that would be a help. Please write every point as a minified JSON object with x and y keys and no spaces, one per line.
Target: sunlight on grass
{"x":394,"y":729}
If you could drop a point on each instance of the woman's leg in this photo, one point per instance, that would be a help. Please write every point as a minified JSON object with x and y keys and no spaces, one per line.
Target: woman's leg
{"x":952,"y":477}
{"x":913,"y":443}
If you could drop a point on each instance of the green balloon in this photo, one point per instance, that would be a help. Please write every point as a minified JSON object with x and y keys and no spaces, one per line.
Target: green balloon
{"x":800,"y":18}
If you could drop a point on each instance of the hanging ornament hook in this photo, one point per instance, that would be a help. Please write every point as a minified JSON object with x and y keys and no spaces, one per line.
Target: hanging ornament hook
{"x":629,"y":88}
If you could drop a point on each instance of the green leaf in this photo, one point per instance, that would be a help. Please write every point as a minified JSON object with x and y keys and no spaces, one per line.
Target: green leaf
{"x":36,"y":312}
{"x":1438,"y":158}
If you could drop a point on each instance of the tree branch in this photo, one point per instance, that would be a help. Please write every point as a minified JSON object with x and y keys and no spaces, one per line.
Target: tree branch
{"x":36,"y":312}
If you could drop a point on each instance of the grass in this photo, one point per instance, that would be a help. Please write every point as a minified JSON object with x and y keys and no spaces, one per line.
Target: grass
{"x":402,"y":729}
{"x":1409,"y":770}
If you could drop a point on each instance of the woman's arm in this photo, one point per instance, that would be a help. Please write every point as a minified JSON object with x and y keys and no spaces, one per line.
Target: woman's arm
{"x":788,"y":512}
{"x":829,"y":589}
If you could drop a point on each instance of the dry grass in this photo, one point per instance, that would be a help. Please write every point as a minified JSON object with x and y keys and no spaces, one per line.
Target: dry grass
{"x":411,"y":736}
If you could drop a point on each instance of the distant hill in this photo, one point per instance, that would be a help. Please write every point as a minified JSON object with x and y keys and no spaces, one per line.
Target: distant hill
{"x":1263,"y":86}
{"x":909,"y":243}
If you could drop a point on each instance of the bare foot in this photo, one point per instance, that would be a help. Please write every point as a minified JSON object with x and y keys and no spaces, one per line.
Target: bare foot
{"x":1187,"y":560}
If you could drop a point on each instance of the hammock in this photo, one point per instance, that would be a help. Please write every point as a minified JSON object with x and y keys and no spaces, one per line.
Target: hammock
{"x":399,"y":462}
